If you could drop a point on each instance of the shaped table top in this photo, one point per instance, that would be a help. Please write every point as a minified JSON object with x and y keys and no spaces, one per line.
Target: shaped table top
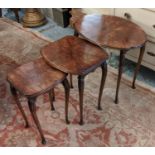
{"x":110,"y":31}
{"x":74,"y":55}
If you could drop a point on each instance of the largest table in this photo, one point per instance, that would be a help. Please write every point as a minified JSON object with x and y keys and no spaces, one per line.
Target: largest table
{"x":113,"y":32}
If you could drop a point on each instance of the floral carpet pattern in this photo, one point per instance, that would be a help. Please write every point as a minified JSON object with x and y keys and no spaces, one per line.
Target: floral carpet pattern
{"x":130,"y":123}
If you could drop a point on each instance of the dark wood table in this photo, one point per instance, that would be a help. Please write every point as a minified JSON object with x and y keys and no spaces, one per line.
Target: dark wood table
{"x":77,"y":56}
{"x":114,"y":32}
{"x":33,"y":79}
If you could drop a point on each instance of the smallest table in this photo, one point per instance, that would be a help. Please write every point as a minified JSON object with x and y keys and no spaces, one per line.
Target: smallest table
{"x":76,"y":56}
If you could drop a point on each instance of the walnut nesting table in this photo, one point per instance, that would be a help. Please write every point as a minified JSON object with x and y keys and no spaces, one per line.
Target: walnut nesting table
{"x":114,"y":32}
{"x":76,"y":56}
{"x":34,"y":79}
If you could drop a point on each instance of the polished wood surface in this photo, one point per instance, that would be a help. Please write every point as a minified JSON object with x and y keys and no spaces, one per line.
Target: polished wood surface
{"x":73,"y":55}
{"x":33,"y":79}
{"x":113,"y":32}
{"x":110,"y":31}
{"x":77,"y":56}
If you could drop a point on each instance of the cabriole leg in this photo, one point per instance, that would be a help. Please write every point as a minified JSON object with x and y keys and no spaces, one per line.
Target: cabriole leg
{"x":67,"y":90}
{"x":81,"y":91}
{"x":104,"y":75}
{"x":14,"y":93}
{"x":142,"y":49}
{"x":32,"y":107}
{"x":121,"y":63}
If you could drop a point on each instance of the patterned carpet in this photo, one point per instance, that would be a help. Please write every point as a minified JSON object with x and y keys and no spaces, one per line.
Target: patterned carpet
{"x":130,"y":123}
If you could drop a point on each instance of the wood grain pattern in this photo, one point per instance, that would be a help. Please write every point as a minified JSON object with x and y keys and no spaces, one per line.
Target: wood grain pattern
{"x":35,"y":77}
{"x":110,"y":31}
{"x":113,"y":32}
{"x":74,"y":55}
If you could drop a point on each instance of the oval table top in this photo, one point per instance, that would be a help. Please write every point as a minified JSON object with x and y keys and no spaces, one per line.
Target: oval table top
{"x":73,"y":55}
{"x":110,"y":31}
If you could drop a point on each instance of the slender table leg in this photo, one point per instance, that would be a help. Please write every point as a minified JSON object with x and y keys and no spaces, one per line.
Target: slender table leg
{"x":32,"y":107}
{"x":104,"y":75}
{"x":142,"y":49}
{"x":52,"y":98}
{"x":14,"y":93}
{"x":71,"y":80}
{"x":81,"y":91}
{"x":67,"y":90}
{"x":121,"y":63}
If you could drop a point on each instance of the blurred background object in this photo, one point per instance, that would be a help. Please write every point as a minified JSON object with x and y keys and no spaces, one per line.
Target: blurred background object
{"x":14,"y":10}
{"x":33,"y":18}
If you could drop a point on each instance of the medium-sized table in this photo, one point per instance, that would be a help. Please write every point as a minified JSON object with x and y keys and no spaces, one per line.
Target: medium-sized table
{"x":77,"y":56}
